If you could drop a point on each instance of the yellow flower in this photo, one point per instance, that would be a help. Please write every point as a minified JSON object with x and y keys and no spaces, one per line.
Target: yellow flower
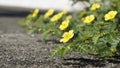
{"x":35,"y":12}
{"x":64,"y":12}
{"x":56,"y":17}
{"x":64,"y":25}
{"x":95,"y":6}
{"x":49,"y":13}
{"x":88,"y":19}
{"x":67,"y":36}
{"x":68,"y":17}
{"x":110,"y":15}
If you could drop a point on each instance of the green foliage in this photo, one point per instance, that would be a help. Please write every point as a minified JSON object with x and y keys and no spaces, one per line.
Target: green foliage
{"x":95,"y":36}
{"x":61,"y":50}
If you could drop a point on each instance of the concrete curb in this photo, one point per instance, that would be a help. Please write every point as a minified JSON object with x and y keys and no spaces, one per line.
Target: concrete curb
{"x":43,"y":4}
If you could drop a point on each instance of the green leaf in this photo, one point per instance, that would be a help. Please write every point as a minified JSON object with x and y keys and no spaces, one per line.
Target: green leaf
{"x":95,"y":38}
{"x":56,"y":51}
{"x":82,"y":48}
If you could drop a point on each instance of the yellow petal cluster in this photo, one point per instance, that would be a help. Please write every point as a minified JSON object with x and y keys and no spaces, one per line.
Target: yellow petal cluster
{"x":67,"y":36}
{"x":35,"y":12}
{"x":110,"y":15}
{"x":88,"y":19}
{"x":58,"y":16}
{"x":64,"y":12}
{"x":95,"y":6}
{"x":64,"y":24}
{"x":49,"y":13}
{"x":69,"y":17}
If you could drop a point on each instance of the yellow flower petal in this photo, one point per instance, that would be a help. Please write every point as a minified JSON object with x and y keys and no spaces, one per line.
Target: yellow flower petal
{"x":67,"y":36}
{"x":64,"y":12}
{"x":95,"y":6}
{"x":56,"y":17}
{"x":110,"y":15}
{"x":88,"y":19}
{"x":69,"y":17}
{"x":64,"y":25}
{"x":71,"y":34}
{"x":49,"y":13}
{"x":35,"y":12}
{"x":64,"y":40}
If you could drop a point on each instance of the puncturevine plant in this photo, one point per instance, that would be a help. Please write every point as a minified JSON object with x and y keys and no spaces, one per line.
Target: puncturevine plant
{"x":95,"y":30}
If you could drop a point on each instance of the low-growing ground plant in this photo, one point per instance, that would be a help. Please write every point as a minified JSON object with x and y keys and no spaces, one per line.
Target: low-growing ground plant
{"x":94,"y":31}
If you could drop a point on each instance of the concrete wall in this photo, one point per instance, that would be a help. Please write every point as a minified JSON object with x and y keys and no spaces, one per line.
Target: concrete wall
{"x":42,"y":4}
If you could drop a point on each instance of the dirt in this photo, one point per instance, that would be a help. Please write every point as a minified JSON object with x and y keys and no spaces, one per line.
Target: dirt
{"x":18,"y":50}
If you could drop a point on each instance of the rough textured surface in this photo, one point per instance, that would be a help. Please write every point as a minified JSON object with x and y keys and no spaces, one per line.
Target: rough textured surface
{"x":18,"y":50}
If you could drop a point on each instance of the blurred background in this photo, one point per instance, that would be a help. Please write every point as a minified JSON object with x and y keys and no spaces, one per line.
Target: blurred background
{"x":27,"y":5}
{"x":13,"y":11}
